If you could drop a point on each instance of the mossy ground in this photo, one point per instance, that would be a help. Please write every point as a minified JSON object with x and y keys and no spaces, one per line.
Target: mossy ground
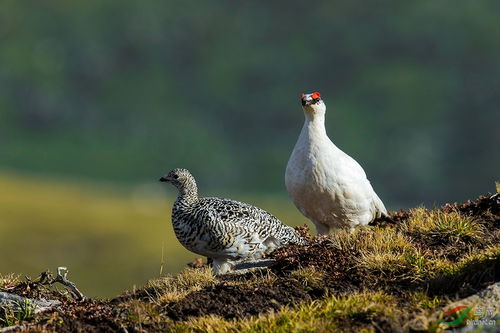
{"x":394,"y":275}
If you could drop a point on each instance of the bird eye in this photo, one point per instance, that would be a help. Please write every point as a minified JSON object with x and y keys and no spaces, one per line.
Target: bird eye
{"x":175,"y":177}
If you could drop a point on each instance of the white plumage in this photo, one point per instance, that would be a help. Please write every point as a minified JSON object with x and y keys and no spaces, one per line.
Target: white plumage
{"x":328,"y":186}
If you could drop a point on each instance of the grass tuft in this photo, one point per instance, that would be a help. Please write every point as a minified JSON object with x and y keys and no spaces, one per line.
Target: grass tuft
{"x":386,"y":251}
{"x":309,"y":276}
{"x":450,"y":225}
{"x":8,"y":280}
{"x":425,"y":302}
{"x":24,"y":310}
{"x":171,"y":289}
{"x":142,"y":313}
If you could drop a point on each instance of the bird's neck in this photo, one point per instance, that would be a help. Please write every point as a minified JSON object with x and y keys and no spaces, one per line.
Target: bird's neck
{"x":314,"y":126}
{"x":188,"y":194}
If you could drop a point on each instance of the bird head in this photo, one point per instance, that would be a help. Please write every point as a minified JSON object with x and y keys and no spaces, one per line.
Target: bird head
{"x":312,"y":103}
{"x":180,"y":178}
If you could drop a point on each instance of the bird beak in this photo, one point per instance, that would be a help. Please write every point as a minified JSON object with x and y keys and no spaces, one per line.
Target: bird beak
{"x":307,"y":100}
{"x":164,"y":179}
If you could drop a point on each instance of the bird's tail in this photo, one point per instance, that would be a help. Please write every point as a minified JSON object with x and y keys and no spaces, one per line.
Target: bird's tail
{"x":380,"y":210}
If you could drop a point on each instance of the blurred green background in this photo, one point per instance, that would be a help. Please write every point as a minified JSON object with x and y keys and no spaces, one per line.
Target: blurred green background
{"x":99,"y":98}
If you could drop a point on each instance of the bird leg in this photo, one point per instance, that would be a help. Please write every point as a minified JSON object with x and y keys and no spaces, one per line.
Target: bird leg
{"x":322,"y":229}
{"x":223,"y":266}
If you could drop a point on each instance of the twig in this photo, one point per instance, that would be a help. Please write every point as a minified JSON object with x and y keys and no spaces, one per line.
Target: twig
{"x":46,"y":278}
{"x":62,"y":273}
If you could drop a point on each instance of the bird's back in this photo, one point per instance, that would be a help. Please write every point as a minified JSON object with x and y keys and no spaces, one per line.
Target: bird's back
{"x":218,"y":227}
{"x":235,"y":213}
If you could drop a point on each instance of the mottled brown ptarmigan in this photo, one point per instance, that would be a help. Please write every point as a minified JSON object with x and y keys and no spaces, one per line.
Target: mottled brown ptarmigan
{"x":327,"y":185}
{"x":227,"y":231}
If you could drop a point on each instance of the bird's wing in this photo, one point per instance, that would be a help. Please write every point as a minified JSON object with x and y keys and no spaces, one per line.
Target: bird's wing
{"x":257,"y":220}
{"x":350,"y":169}
{"x":350,"y":166}
{"x":240,"y":213}
{"x":227,"y":229}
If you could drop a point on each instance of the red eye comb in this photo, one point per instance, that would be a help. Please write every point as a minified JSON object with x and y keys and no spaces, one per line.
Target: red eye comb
{"x":316,"y":95}
{"x":302,"y":96}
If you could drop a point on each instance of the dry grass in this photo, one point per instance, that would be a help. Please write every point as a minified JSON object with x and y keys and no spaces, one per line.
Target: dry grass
{"x":393,"y":253}
{"x":385,"y":251}
{"x":452,"y":224}
{"x":173,"y":288}
{"x":470,"y":262}
{"x":259,"y":278}
{"x":308,"y":276}
{"x":142,"y":313}
{"x":8,"y":280}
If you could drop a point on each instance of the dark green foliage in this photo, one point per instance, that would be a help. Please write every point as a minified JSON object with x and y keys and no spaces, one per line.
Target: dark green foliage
{"x":124,"y":91}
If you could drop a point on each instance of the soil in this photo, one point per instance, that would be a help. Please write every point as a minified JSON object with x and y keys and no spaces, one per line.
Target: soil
{"x":237,"y":301}
{"x":342,"y":275}
{"x":230,"y":298}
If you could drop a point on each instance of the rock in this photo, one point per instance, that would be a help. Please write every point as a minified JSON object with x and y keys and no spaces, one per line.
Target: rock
{"x":15,"y":302}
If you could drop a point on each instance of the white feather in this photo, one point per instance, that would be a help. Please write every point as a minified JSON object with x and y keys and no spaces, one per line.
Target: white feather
{"x":327,"y":185}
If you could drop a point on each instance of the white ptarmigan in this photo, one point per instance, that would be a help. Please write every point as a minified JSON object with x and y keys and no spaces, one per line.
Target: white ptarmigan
{"x":328,"y":186}
{"x":227,"y":231}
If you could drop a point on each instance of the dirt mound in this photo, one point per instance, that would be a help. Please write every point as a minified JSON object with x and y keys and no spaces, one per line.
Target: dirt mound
{"x":486,"y":208}
{"x":337,"y":266}
{"x":230,"y":301}
{"x":325,"y":266}
{"x":88,"y":316}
